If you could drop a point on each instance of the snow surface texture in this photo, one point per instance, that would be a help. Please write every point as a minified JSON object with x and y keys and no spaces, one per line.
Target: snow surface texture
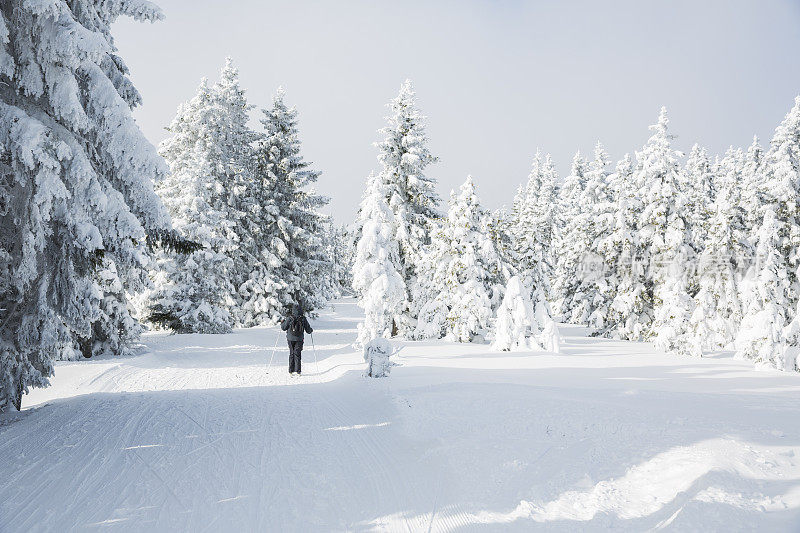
{"x":198,"y":434}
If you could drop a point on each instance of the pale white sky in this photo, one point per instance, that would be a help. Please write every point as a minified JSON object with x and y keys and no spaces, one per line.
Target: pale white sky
{"x":496,"y":79}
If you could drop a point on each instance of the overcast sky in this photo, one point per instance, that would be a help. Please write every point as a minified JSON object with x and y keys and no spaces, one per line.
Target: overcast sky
{"x":497,"y":80}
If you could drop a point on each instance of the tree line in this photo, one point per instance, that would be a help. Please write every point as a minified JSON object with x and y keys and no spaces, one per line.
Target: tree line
{"x":692,"y":253}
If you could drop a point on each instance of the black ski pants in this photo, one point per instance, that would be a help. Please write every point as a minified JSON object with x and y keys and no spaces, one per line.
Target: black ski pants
{"x":295,"y":350}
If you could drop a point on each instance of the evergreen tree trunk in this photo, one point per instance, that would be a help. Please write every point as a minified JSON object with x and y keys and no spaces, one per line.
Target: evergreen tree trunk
{"x":17,"y":400}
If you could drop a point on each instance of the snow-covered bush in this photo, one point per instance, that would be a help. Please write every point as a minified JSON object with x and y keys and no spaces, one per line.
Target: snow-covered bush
{"x":523,"y":324}
{"x":516,"y":319}
{"x":376,"y":355}
{"x":550,"y":338}
{"x":791,"y":351}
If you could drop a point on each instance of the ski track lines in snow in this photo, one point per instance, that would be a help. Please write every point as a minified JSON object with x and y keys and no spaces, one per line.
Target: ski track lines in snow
{"x":197,"y":434}
{"x":648,"y":487}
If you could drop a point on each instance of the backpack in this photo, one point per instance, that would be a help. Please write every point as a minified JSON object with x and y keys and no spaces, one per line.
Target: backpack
{"x":296,"y":327}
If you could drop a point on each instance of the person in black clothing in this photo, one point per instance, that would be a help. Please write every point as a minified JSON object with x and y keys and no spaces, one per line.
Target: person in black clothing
{"x":295,"y":325}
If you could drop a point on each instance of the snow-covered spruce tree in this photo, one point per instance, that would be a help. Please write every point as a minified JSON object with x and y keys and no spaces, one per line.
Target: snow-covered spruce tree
{"x":76,"y":197}
{"x":769,"y":291}
{"x":294,"y":263}
{"x":520,"y":253}
{"x":570,"y":239}
{"x":533,"y":220}
{"x":594,"y":293}
{"x":351,"y":235}
{"x":500,"y":225}
{"x":117,"y":331}
{"x":700,"y":186}
{"x":404,"y":158}
{"x":751,"y":186}
{"x":500,"y":231}
{"x":698,"y":177}
{"x":543,"y":209}
{"x":761,"y":336}
{"x":194,"y":292}
{"x":630,"y":312}
{"x":376,"y":269}
{"x":586,"y":219}
{"x":717,"y":314}
{"x":781,"y":187}
{"x":666,"y":236}
{"x":429,"y":292}
{"x":463,"y":275}
{"x":729,"y":179}
{"x":341,"y":255}
{"x":234,"y":156}
{"x":606,"y":244}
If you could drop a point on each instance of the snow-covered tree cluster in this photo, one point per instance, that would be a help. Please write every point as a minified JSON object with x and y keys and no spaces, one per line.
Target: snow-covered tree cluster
{"x":420,"y":273}
{"x":247,"y":196}
{"x":78,"y":213}
{"x":691,"y":253}
{"x":695,"y":255}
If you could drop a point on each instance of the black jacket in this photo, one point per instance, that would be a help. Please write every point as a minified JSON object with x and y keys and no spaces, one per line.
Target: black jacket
{"x":288,"y":322}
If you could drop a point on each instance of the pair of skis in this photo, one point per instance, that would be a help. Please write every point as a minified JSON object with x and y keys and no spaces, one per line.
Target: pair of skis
{"x":275,"y":347}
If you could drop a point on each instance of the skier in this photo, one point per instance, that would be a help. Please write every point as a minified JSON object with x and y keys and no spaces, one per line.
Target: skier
{"x":294,"y":326}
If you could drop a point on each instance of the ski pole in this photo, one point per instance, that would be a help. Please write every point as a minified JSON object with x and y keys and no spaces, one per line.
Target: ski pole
{"x":316,"y":363}
{"x":274,"y":347}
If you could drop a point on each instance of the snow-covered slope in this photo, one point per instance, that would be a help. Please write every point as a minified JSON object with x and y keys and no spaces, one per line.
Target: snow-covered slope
{"x":198,"y":434}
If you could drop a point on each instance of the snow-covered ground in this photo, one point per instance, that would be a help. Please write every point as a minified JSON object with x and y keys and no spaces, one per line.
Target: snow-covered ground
{"x":197,"y":434}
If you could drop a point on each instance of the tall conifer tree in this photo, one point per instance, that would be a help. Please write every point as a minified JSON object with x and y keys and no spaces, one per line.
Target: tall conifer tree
{"x":76,"y":195}
{"x":404,"y":157}
{"x":211,"y":159}
{"x":292,"y":231}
